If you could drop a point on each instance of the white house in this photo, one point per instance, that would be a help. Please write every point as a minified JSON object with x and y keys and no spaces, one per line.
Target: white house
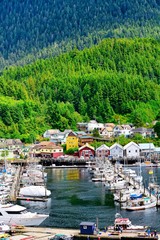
{"x":116,"y":150}
{"x":131,"y":150}
{"x":124,"y":129}
{"x":50,"y":133}
{"x":102,"y":151}
{"x":106,"y":132}
{"x":94,"y":125}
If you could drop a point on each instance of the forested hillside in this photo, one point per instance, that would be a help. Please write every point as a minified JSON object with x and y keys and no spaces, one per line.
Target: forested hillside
{"x":119,"y":79}
{"x":41,"y":28}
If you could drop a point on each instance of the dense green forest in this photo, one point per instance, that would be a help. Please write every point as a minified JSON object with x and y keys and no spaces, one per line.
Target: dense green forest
{"x":43,"y":28}
{"x":116,"y":80}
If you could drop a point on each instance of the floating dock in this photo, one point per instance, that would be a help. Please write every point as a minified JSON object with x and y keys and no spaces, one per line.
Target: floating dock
{"x":27,"y":233}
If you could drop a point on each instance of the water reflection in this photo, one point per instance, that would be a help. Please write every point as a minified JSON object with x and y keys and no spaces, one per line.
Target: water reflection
{"x":75,"y":198}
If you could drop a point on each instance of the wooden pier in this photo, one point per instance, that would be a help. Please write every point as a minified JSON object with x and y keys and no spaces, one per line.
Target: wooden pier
{"x":137,"y":185}
{"x":15,"y":185}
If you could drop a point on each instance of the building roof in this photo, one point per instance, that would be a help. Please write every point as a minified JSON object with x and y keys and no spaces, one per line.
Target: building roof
{"x":87,"y":223}
{"x":72,"y":134}
{"x":139,"y":130}
{"x":44,"y":143}
{"x":157,"y":149}
{"x":116,"y":144}
{"x":52,"y":147}
{"x":126,"y":126}
{"x":103,"y":146}
{"x":109,"y":125}
{"x":53,"y":131}
{"x":85,"y":137}
{"x":147,"y":146}
{"x":119,"y":127}
{"x":129,"y":144}
{"x":109,"y":129}
{"x":86,"y":145}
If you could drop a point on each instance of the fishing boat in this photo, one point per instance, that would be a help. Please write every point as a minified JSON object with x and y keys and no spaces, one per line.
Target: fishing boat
{"x":141,"y":204}
{"x":12,"y":214}
{"x":125,"y":225}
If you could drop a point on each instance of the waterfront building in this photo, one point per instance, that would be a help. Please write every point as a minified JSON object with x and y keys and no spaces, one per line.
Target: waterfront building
{"x":51,"y":151}
{"x":86,"y":151}
{"x":131,"y":150}
{"x":103,"y":151}
{"x":146,"y":149}
{"x":71,"y":141}
{"x":116,"y":150}
{"x":46,"y":149}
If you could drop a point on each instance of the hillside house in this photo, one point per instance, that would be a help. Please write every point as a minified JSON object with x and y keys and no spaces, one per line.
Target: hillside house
{"x":106,"y":132}
{"x":71,"y":141}
{"x":82,"y":140}
{"x":51,"y":133}
{"x":94,"y":125}
{"x":124,"y":129}
{"x":82,"y":126}
{"x":145,"y":132}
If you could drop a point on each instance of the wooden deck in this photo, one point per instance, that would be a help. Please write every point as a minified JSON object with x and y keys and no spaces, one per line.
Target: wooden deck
{"x":45,"y":233}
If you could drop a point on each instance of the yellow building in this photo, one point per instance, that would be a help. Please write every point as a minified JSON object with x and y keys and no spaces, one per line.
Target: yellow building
{"x":71,"y":141}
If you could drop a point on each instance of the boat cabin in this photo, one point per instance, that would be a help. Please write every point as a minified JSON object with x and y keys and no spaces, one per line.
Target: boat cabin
{"x":122,"y":223}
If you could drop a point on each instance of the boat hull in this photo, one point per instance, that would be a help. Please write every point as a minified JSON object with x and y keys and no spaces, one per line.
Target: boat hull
{"x":25,"y":221}
{"x":138,"y":208}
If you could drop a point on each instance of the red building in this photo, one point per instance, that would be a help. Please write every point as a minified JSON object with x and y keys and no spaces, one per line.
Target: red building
{"x":86,"y":151}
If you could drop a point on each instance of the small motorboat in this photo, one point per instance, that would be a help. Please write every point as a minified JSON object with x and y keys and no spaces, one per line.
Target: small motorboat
{"x":125,"y":225}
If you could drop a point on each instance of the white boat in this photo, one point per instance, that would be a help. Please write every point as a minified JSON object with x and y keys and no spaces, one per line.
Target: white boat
{"x":141,"y":204}
{"x":126,"y":226}
{"x":117,"y":184}
{"x":34,"y":191}
{"x":12,"y":214}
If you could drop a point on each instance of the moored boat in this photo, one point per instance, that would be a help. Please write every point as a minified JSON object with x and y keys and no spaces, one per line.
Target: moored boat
{"x":34,"y":191}
{"x":12,"y":214}
{"x":125,"y":225}
{"x":141,"y":204}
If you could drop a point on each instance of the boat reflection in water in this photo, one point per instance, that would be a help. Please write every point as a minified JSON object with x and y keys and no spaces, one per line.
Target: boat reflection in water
{"x":41,"y":206}
{"x":75,"y":198}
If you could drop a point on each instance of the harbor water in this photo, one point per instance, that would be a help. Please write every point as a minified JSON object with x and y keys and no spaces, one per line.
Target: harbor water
{"x":75,"y":198}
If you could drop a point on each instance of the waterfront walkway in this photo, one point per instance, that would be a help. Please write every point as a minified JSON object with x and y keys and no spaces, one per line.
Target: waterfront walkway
{"x":27,"y":233}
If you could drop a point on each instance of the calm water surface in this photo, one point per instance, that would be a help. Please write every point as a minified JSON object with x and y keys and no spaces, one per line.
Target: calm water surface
{"x":75,"y":198}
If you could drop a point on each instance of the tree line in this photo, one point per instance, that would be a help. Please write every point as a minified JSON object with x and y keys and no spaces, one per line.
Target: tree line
{"x":40,"y":28}
{"x":117,"y":80}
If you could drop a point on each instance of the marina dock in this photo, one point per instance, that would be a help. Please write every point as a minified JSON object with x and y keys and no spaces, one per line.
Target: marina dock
{"x":31,"y":233}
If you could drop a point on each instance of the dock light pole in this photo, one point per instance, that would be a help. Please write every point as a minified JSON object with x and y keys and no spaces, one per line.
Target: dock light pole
{"x":97,"y":222}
